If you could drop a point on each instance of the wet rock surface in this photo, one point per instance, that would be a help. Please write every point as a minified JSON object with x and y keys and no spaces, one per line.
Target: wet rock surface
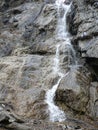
{"x":9,"y":120}
{"x":27,"y":50}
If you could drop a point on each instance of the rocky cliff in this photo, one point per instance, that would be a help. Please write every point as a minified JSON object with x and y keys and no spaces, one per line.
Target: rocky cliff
{"x":27,"y":50}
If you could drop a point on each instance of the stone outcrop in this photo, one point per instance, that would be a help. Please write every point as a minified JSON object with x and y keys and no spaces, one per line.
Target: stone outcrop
{"x":27,"y":50}
{"x":85,"y":29}
{"x":86,"y":37}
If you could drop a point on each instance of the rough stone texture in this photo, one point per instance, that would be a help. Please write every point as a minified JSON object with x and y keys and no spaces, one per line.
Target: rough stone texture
{"x":85,"y":29}
{"x":9,"y":120}
{"x":86,"y":37}
{"x":74,"y":89}
{"x":94,"y":99}
{"x":27,"y":51}
{"x":18,"y":74}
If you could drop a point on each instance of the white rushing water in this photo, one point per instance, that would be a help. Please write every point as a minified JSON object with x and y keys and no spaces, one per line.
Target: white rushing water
{"x":61,"y":30}
{"x":55,"y":113}
{"x":62,"y":34}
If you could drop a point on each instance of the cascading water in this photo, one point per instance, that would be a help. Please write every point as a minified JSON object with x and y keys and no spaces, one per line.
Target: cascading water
{"x":61,"y":34}
{"x":61,"y":30}
{"x":55,"y":113}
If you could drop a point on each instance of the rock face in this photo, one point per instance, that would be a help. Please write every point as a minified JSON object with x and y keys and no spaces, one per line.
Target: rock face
{"x":85,"y":29}
{"x":86,"y":20}
{"x":27,"y":51}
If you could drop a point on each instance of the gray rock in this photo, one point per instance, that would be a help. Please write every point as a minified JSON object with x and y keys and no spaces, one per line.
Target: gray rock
{"x":86,"y":22}
{"x":71,"y":89}
{"x":27,"y":51}
{"x":93,"y":102}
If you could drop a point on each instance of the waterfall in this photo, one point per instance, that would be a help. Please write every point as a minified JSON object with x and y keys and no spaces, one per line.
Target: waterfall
{"x":55,"y":113}
{"x":61,"y":34}
{"x":61,"y":30}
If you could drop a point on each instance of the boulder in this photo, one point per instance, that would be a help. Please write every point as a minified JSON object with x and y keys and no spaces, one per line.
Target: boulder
{"x":73,"y":90}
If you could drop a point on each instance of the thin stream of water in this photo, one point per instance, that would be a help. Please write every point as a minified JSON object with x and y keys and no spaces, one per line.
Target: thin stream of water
{"x":62,"y":34}
{"x":55,"y":113}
